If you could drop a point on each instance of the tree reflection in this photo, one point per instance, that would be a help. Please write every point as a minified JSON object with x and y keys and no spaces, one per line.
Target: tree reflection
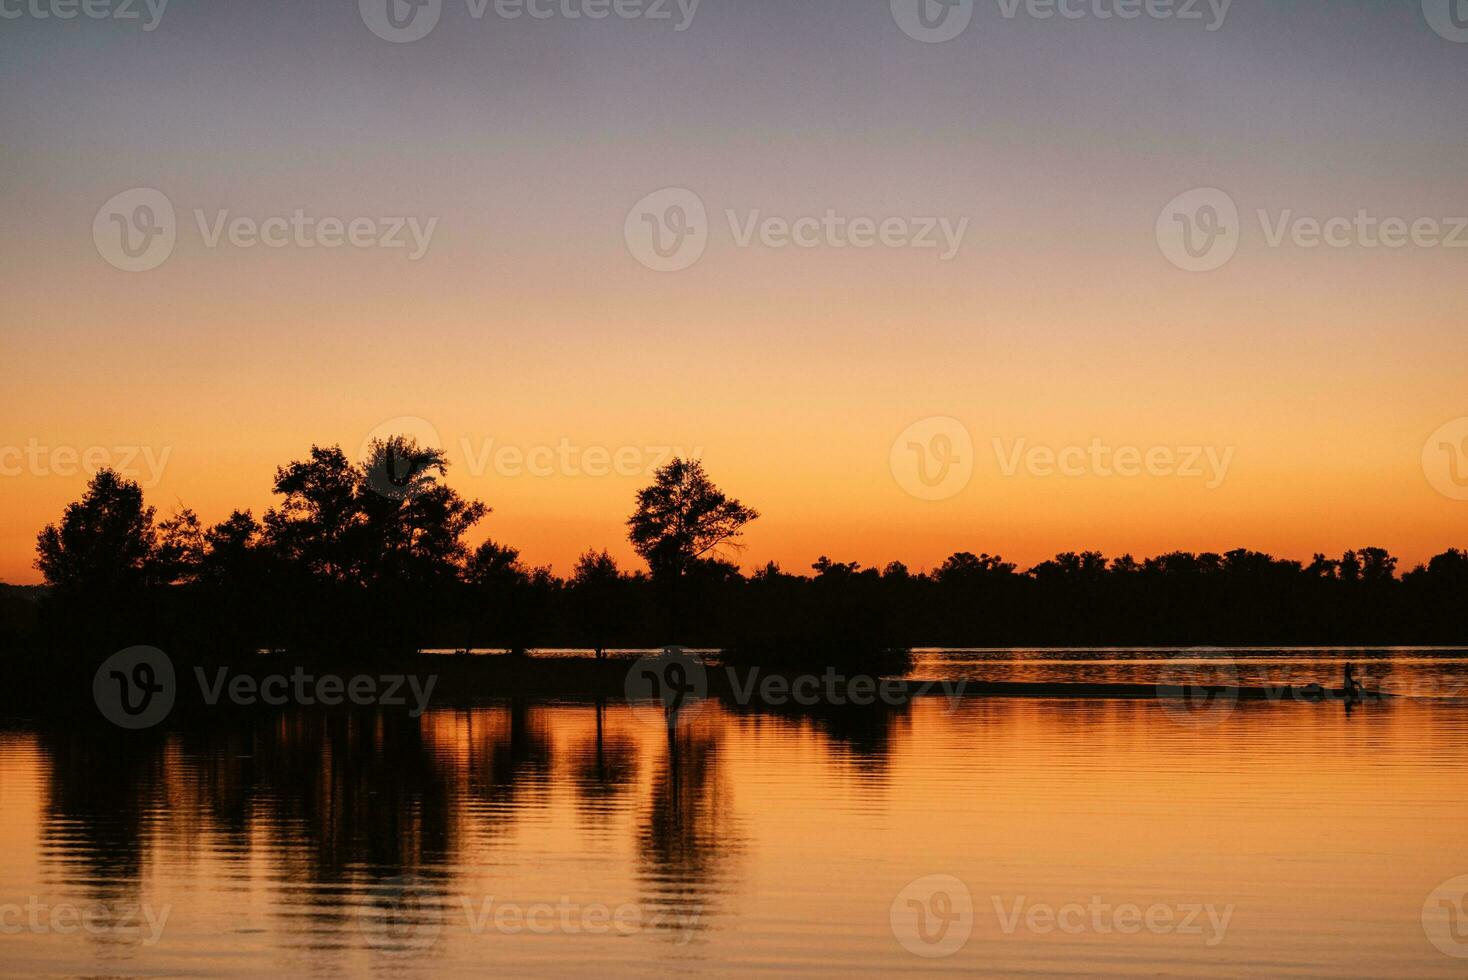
{"x":686,"y":834}
{"x":603,"y":770}
{"x":104,"y":800}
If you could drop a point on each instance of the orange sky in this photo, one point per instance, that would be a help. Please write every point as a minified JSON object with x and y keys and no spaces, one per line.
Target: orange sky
{"x":529,"y":320}
{"x":794,"y":397}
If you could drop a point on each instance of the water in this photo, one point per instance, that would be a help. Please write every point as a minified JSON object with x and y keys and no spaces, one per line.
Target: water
{"x":566,"y":838}
{"x":1417,"y":672}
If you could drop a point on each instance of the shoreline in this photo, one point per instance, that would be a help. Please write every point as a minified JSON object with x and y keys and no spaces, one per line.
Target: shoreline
{"x":36,"y":687}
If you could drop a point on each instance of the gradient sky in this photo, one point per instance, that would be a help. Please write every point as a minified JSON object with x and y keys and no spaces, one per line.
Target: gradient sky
{"x":529,"y":320}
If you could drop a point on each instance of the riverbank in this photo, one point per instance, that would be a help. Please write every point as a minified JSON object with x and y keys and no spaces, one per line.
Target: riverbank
{"x":122,"y":690}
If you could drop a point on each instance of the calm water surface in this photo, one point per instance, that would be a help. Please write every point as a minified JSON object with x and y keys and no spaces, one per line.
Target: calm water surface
{"x":554,"y":839}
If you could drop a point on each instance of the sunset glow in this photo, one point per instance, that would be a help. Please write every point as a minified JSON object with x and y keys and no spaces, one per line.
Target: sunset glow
{"x":528,"y":320}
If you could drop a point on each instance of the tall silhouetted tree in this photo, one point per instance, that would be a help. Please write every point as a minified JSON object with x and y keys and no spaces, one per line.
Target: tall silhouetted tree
{"x":398,"y":468}
{"x":497,"y":584}
{"x":597,"y":594}
{"x":413,"y":524}
{"x":313,"y":526}
{"x":373,"y":556}
{"x":182,"y":545}
{"x":105,"y":542}
{"x":377,"y":545}
{"x":682,"y":518}
{"x":681,"y":521}
{"x":232,"y":554}
{"x":100,"y":561}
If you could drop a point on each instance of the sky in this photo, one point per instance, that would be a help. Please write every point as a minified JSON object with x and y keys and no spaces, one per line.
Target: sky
{"x":1072,"y":259}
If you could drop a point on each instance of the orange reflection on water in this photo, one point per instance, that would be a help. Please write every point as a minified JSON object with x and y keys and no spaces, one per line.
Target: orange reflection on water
{"x":321,"y":841}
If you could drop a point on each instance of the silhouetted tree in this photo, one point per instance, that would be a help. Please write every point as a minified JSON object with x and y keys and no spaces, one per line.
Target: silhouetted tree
{"x":597,"y":593}
{"x":497,"y":582}
{"x":413,"y":525}
{"x":682,"y":517}
{"x":232,"y":552}
{"x":681,"y":521}
{"x":312,"y":528}
{"x":375,"y":556}
{"x":181,"y":548}
{"x":373,"y":545}
{"x":105,"y":542}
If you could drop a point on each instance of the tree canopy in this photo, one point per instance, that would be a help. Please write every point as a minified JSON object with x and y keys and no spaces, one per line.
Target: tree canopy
{"x":683,"y":518}
{"x":350,"y":561}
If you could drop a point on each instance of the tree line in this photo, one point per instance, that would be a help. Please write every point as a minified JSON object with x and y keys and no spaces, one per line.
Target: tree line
{"x":373,"y":558}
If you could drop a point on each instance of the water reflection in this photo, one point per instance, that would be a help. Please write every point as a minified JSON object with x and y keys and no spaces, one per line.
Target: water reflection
{"x":311,"y":841}
{"x":603,"y":769}
{"x":687,"y":834}
{"x":509,"y":754}
{"x":1424,"y":672}
{"x":353,"y":808}
{"x":102,"y":803}
{"x":858,"y":736}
